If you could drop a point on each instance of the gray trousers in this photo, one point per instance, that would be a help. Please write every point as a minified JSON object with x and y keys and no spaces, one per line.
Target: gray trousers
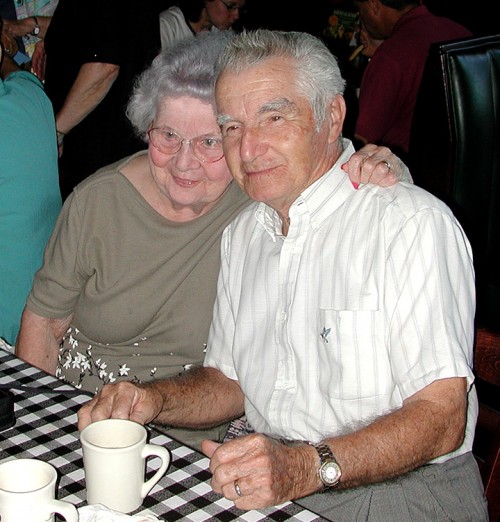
{"x":452,"y":491}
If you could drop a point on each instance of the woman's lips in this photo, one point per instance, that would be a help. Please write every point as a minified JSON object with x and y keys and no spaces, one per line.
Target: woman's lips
{"x":185,"y":182}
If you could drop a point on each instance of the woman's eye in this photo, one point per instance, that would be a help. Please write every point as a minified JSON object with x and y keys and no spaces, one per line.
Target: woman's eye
{"x":211,"y":143}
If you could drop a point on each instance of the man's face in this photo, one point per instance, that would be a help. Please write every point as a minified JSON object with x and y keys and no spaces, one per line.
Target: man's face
{"x":270,"y":139}
{"x":371,"y":17}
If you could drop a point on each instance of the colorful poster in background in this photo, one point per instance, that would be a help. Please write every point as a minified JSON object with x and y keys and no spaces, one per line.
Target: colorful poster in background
{"x":342,"y":25}
{"x":25,"y":8}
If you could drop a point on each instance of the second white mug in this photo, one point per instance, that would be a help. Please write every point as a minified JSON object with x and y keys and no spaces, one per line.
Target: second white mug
{"x":27,"y":493}
{"x":114,"y":458}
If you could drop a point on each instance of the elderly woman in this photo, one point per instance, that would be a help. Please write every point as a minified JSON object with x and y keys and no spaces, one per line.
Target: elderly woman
{"x":129,"y":276}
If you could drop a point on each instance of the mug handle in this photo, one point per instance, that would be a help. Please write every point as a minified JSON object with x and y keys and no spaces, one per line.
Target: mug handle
{"x":67,"y":510}
{"x":153,"y":450}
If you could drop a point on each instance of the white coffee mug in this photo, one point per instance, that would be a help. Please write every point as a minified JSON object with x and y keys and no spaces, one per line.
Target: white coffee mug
{"x":114,"y":459}
{"x":27,"y":493}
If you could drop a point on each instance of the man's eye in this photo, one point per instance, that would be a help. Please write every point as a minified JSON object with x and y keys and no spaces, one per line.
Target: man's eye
{"x":230,"y":129}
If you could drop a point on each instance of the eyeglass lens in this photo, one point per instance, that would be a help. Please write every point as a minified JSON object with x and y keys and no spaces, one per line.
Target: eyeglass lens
{"x":205,"y":148}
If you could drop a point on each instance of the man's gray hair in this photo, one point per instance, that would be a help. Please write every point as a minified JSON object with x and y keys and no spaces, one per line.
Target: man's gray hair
{"x":318,"y":74}
{"x":185,"y":69}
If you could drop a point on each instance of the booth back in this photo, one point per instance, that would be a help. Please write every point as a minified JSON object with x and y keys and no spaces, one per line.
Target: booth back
{"x":455,"y":151}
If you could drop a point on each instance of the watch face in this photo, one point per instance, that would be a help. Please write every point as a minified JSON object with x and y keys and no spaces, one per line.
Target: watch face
{"x":330,"y":473}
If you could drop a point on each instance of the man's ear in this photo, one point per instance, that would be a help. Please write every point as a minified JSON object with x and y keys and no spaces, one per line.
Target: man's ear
{"x":337,"y":117}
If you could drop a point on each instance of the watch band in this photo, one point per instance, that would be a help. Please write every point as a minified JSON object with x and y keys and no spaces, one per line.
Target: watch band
{"x":324,"y":452}
{"x":329,"y":471}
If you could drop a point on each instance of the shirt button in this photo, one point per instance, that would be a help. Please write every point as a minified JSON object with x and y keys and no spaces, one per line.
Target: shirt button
{"x":283,"y":316}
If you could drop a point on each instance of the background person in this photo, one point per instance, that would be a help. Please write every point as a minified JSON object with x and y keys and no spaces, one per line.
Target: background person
{"x":29,"y":190}
{"x":187,"y":18}
{"x":28,"y":21}
{"x":89,"y":79}
{"x":129,"y":276}
{"x":343,"y":321}
{"x":32,"y":30}
{"x":391,"y":80}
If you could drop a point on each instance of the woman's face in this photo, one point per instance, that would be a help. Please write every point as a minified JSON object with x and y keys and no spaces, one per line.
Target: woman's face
{"x":189,"y":184}
{"x":223,"y":13}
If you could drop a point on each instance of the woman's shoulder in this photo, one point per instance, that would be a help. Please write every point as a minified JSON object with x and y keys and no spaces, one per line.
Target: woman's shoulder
{"x":110,"y":175}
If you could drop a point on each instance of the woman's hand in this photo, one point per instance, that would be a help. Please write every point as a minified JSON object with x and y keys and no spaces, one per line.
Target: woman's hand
{"x":376,"y":165}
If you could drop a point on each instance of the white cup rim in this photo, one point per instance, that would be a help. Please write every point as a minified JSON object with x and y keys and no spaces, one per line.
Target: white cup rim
{"x":29,"y":467}
{"x":88,"y":434}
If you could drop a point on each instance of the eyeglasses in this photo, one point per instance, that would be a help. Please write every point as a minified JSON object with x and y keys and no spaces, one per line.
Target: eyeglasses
{"x":206,"y":148}
{"x":230,"y":6}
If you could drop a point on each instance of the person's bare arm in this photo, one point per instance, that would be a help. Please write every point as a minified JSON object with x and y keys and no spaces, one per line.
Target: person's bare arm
{"x":38,"y":60}
{"x":26,"y":26}
{"x":429,"y":424}
{"x":39,"y":339}
{"x":199,"y":398}
{"x":92,"y":84}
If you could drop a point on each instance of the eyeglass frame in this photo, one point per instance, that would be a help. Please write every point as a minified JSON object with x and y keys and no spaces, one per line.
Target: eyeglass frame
{"x":231,"y":6}
{"x":190,"y":142}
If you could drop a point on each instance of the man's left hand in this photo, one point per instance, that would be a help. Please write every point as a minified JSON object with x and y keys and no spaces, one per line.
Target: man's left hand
{"x":256,"y":471}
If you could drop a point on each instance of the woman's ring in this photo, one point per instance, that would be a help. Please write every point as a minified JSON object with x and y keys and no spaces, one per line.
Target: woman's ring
{"x":387,"y":164}
{"x":237,"y":488}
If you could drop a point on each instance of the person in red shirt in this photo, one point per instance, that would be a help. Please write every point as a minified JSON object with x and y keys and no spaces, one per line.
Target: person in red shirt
{"x":391,"y":80}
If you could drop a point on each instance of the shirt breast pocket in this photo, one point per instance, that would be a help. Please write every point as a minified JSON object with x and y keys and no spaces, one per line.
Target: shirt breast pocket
{"x":353,"y":363}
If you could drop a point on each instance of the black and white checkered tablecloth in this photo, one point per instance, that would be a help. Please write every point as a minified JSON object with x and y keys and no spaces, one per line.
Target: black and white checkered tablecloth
{"x":46,"y":428}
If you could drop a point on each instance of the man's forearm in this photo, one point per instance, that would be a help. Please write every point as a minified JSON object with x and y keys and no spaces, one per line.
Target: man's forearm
{"x":92,"y":84}
{"x":200,"y":398}
{"x":423,"y":429}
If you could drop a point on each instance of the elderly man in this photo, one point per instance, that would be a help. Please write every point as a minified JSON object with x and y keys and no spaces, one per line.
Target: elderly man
{"x":343,"y":323}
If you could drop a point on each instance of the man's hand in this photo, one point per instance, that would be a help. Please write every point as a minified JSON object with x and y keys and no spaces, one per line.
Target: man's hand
{"x":266,"y":472}
{"x":122,"y":400}
{"x":377,"y":165}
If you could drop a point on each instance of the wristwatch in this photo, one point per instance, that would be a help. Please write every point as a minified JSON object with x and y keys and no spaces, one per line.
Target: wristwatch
{"x":36,"y":30}
{"x":329,"y":470}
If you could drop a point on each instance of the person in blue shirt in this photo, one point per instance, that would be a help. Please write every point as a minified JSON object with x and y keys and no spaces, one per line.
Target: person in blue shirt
{"x":30,"y":198}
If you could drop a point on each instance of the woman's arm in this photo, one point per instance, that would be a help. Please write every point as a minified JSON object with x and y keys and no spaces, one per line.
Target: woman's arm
{"x":39,"y":339}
